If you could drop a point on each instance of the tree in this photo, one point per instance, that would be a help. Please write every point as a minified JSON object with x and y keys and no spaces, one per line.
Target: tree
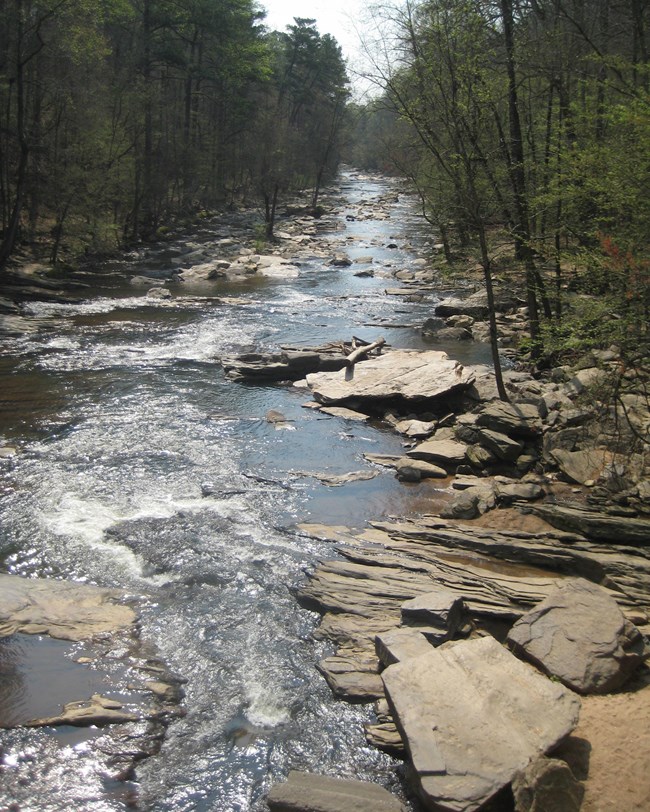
{"x":301,"y":115}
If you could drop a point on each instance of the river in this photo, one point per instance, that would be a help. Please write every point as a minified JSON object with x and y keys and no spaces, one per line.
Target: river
{"x":142,"y":467}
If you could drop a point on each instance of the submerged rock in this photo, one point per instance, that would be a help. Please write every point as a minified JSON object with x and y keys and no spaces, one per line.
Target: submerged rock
{"x":307,"y":792}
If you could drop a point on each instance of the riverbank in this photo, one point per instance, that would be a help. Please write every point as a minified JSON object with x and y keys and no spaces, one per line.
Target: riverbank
{"x":153,"y":502}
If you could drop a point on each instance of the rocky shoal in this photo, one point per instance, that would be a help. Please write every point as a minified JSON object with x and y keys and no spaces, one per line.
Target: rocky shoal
{"x":106,"y":626}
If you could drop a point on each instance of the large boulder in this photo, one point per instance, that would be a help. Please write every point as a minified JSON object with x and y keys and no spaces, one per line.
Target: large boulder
{"x":582,"y":466}
{"x":504,"y":447}
{"x":472,"y":716}
{"x":308,"y":792}
{"x":580,"y":636}
{"x":508,"y":418}
{"x":399,"y":375}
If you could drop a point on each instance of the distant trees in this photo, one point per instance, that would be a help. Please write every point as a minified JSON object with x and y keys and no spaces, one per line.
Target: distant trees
{"x":302,"y":116}
{"x":116,"y":116}
{"x":530,"y":122}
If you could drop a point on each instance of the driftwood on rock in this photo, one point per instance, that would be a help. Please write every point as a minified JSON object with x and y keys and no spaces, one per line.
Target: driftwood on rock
{"x":398,"y":376}
{"x":363,"y":351}
{"x":292,"y":363}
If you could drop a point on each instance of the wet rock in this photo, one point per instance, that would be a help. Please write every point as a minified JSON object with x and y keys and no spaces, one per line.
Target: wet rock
{"x":579,"y":635}
{"x":385,"y":736}
{"x":159,"y":293}
{"x":399,"y":375}
{"x":343,"y":412}
{"x":279,"y":270}
{"x":469,"y":714}
{"x":307,"y":792}
{"x":410,"y":470}
{"x":336,"y":480}
{"x":98,"y":710}
{"x":340,"y":261}
{"x":387,"y":460}
{"x":353,"y":675}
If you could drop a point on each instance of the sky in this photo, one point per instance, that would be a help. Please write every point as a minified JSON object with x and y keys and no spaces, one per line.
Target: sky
{"x":336,"y":17}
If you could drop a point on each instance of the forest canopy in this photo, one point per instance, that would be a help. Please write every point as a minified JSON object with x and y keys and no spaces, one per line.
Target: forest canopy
{"x":528,"y":124}
{"x":116,"y":115}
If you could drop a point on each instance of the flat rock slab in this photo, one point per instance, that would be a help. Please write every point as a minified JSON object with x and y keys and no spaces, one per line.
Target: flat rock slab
{"x":62,"y":609}
{"x":472,"y":716}
{"x":408,"y":376}
{"x":306,"y":792}
{"x":410,"y":470}
{"x":579,"y":635}
{"x":594,"y":525}
{"x":97,"y":711}
{"x":346,"y":414}
{"x":439,"y":451}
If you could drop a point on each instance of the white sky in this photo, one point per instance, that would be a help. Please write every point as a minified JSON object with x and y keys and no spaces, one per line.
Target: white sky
{"x":335,"y":17}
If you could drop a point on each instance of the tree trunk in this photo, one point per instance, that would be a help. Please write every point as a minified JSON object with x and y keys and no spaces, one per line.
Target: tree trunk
{"x":494,"y":347}
{"x":523,"y":248}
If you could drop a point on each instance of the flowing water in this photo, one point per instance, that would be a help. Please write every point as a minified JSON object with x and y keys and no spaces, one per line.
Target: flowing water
{"x":141,"y":466}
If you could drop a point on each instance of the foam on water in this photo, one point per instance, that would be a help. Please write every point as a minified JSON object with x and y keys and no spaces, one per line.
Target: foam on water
{"x":154,"y":473}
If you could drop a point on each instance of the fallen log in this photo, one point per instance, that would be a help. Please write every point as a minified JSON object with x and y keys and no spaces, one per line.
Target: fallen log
{"x":364,"y":351}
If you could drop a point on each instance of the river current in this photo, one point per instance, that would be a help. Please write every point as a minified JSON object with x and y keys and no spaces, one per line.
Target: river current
{"x":140,"y":466}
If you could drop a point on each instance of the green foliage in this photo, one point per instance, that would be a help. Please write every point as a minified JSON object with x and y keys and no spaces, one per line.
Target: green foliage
{"x":115,"y":114}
